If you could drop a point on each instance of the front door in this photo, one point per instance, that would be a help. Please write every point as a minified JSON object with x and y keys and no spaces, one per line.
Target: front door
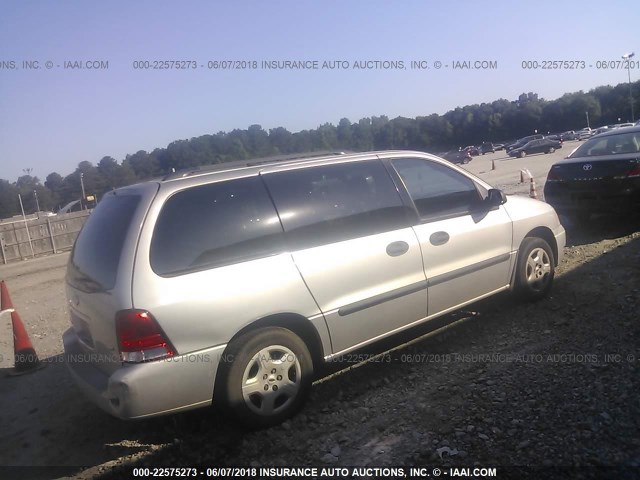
{"x":466,"y":247}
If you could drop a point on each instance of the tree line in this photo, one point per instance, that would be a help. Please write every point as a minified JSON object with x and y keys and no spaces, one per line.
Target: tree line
{"x":499,"y":121}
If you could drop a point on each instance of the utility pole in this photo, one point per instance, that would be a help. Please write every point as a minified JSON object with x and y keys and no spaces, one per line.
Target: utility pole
{"x":35,"y":194}
{"x":26,"y":227}
{"x":82,"y":186}
{"x":628,"y":57}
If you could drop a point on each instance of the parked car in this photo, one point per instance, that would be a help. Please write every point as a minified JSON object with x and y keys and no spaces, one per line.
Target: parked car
{"x":515,"y":145}
{"x":523,"y":141}
{"x":233,"y":285}
{"x":601,"y":176}
{"x":568,"y":135}
{"x":584,"y":133}
{"x":544,"y":145}
{"x":487,"y":147}
{"x":472,"y":150}
{"x":498,"y":146}
{"x":457,"y":156}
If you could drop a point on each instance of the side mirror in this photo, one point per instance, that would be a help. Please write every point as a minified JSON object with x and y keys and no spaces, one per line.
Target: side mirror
{"x":496,"y":198}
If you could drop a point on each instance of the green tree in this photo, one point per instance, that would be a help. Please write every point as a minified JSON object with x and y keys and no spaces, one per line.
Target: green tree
{"x":143,"y":165}
{"x":345,"y":134}
{"x":8,"y":199}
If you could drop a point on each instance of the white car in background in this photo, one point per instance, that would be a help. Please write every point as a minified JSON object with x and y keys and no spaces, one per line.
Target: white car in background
{"x":584,"y":133}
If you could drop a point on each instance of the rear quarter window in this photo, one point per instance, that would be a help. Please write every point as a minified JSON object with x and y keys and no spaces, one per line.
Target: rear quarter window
{"x":96,"y":253}
{"x":213,"y":225}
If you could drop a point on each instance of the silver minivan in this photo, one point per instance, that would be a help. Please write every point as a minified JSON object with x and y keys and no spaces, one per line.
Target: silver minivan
{"x":234,"y":284}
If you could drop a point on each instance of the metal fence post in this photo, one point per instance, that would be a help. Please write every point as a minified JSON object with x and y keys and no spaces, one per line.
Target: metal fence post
{"x":15,"y":235}
{"x":4,"y":257}
{"x":53,"y":243}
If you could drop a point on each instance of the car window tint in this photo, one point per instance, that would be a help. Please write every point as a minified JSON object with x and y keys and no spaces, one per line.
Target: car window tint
{"x":332,"y":203}
{"x":610,"y":145}
{"x":96,"y":253}
{"x":216,"y":224}
{"x":437,"y":190}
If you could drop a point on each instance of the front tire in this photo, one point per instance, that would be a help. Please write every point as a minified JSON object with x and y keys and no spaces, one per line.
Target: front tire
{"x":535,"y":269}
{"x":551,"y":150}
{"x":266,"y":378}
{"x":522,"y":154}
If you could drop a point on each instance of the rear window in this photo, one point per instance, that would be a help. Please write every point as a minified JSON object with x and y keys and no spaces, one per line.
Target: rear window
{"x":96,"y":254}
{"x":214,"y":225}
{"x":609,"y":145}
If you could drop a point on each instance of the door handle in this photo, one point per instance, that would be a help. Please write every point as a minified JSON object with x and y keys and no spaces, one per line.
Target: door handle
{"x":395,"y":249}
{"x":439,"y":238}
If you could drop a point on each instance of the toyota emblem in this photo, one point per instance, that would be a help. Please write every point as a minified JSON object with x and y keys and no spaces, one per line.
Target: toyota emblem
{"x":587,"y":166}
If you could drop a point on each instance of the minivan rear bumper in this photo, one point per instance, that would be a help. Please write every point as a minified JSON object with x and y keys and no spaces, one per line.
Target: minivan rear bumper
{"x":145,"y":389}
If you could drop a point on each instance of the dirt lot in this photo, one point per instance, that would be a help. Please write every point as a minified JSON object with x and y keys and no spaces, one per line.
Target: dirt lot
{"x":506,"y":174}
{"x":551,"y":383}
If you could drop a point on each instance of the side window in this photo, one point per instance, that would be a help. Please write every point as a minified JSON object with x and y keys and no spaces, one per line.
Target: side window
{"x":332,"y":203}
{"x":216,"y":224}
{"x":437,"y":190}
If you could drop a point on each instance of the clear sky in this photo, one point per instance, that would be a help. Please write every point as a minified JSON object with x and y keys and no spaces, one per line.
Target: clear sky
{"x":53,"y":118}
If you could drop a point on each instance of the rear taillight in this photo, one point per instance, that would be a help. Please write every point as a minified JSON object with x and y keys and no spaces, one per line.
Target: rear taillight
{"x":140,"y":338}
{"x":634,"y":172}
{"x":553,"y":176}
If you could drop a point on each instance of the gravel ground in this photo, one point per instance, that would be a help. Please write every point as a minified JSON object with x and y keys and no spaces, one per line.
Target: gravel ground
{"x":544,"y":384}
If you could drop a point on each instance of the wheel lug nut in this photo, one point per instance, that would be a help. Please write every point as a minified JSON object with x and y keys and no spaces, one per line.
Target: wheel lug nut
{"x":275,"y":387}
{"x":266,"y":387}
{"x":279,"y":377}
{"x":273,"y":370}
{"x":264,"y":377}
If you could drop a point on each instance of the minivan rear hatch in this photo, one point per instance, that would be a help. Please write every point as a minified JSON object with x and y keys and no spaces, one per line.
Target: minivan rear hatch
{"x":99,"y":273}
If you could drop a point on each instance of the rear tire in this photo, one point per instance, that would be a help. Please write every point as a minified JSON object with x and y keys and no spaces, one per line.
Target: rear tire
{"x":522,"y":154}
{"x":266,"y":377}
{"x":551,"y":150}
{"x":535,"y":269}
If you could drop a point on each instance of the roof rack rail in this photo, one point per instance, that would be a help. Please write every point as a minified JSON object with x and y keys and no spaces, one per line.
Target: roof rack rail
{"x":187,"y":172}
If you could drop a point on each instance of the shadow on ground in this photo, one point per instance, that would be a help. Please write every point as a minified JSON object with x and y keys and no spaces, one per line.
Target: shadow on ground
{"x":600,"y":227}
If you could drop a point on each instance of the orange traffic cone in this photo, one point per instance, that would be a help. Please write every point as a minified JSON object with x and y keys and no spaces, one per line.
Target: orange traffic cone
{"x":532,"y":189}
{"x":493,"y":164}
{"x":26,"y":359}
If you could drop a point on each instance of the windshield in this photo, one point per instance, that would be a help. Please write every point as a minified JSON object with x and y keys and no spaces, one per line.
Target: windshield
{"x":609,"y":145}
